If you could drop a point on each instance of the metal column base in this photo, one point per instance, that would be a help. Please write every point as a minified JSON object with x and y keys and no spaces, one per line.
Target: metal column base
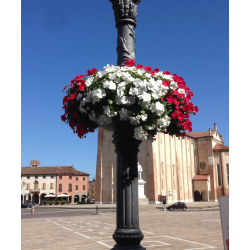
{"x":118,"y":247}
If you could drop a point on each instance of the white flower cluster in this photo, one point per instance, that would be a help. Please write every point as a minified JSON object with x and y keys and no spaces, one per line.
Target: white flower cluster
{"x":116,"y":89}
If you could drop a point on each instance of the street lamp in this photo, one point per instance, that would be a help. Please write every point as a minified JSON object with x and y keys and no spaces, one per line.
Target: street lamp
{"x":127,"y":234}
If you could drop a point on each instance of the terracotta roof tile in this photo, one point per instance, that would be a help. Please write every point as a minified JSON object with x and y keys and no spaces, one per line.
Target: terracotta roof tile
{"x":200,"y":134}
{"x":51,"y":170}
{"x":201,"y":177}
{"x":219,"y":147}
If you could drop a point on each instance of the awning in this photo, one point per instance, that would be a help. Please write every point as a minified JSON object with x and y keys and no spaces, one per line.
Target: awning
{"x":76,"y":197}
{"x":49,"y":195}
{"x":84,"y":196}
{"x":62,"y":195}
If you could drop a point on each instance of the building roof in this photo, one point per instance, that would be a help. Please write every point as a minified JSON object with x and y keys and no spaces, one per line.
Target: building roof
{"x":201,"y":134}
{"x":201,"y":177}
{"x":92,"y":183}
{"x":220,"y":147}
{"x":51,"y":170}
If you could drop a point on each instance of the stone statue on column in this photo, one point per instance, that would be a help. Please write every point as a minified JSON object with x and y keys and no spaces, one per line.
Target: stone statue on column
{"x":141,"y":196}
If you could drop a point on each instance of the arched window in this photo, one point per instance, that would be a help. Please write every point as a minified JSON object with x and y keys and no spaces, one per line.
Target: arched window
{"x":218,"y":173}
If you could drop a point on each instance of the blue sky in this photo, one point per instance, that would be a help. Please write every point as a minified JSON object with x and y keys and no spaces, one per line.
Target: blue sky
{"x":62,"y":39}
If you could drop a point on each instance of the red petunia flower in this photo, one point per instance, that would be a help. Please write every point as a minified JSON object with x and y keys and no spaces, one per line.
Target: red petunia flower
{"x":75,"y":114}
{"x":91,"y":72}
{"x":129,"y":63}
{"x":63,"y":117}
{"x":72,"y":124}
{"x":165,"y":83}
{"x":65,"y":100}
{"x":156,"y":70}
{"x":196,"y":109}
{"x":182,"y":135}
{"x":147,"y":68}
{"x":139,"y":66}
{"x":81,"y":130}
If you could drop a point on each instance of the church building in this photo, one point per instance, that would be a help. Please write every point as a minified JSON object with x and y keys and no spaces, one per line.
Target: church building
{"x":191,"y":169}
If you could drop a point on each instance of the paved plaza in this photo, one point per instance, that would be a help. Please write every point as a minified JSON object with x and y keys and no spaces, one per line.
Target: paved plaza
{"x":70,"y":229}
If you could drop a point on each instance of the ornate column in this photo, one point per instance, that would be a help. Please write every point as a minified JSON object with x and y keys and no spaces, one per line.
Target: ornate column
{"x":125,"y":17}
{"x":127,"y":234}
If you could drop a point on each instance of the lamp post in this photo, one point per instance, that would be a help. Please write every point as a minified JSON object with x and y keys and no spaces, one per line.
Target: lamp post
{"x":127,"y":234}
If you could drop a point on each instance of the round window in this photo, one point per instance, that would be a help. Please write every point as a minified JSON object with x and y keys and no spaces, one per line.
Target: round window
{"x":203,"y":165}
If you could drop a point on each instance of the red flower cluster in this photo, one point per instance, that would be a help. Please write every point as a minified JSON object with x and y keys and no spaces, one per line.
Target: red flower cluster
{"x":181,"y":105}
{"x":129,"y":63}
{"x":91,"y":72}
{"x":76,"y":85}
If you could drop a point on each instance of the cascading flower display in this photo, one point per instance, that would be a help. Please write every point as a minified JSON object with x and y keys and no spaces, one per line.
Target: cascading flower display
{"x":151,"y":100}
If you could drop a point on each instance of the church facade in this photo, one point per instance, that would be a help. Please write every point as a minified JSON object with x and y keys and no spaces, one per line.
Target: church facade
{"x":191,"y":169}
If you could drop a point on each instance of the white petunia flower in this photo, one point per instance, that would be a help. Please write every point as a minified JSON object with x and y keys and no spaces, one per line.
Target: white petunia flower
{"x":151,"y":127}
{"x":144,"y":117}
{"x":100,"y":74}
{"x":92,"y":117}
{"x":182,"y":91}
{"x":173,"y":85}
{"x":97,"y":94}
{"x":134,"y":91}
{"x":167,"y":77}
{"x":140,"y":134}
{"x":148,"y":75}
{"x":145,"y":97}
{"x":82,"y":109}
{"x":89,"y":81}
{"x":108,"y":112}
{"x":157,"y":108}
{"x":124,"y":114}
{"x":103,"y":120}
{"x":135,"y":120}
{"x":79,"y":96}
{"x":109,"y":85}
{"x":162,"y":123}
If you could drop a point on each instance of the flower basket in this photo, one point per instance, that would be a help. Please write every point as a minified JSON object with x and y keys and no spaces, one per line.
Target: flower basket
{"x":150,"y":100}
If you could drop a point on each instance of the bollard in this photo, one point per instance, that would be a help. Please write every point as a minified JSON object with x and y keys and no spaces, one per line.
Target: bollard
{"x":96,"y":210}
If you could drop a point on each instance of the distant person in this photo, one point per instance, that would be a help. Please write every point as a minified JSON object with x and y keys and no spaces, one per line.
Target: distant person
{"x":32,"y":208}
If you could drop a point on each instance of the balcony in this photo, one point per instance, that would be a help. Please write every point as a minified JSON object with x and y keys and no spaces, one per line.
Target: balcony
{"x":35,"y":190}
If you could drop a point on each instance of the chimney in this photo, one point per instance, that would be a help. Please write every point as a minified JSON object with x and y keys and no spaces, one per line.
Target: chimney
{"x":209,"y":131}
{"x":215,"y":126}
{"x":221,"y":137}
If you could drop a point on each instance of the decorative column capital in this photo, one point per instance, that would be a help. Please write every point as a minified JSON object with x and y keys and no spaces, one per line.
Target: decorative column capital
{"x":125,"y":10}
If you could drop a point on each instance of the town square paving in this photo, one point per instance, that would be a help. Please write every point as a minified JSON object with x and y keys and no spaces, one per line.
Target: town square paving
{"x":185,"y":230}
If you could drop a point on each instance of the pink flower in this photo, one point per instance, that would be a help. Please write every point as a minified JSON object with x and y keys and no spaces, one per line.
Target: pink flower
{"x":130,"y":63}
{"x":147,"y":68}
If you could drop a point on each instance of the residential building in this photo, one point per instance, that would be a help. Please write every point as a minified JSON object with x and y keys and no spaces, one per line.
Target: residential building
{"x":37,"y":182}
